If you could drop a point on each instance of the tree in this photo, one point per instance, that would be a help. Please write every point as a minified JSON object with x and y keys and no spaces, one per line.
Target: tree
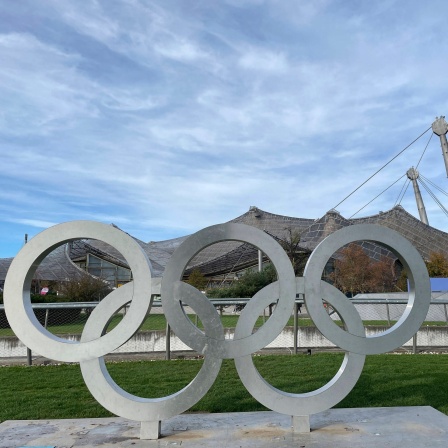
{"x":85,"y":288}
{"x":355,"y":272}
{"x":297,"y":255}
{"x":437,"y":265}
{"x":383,"y":276}
{"x":352,"y":273}
{"x":402,"y":281}
{"x":197,"y":279}
{"x":246,"y":286}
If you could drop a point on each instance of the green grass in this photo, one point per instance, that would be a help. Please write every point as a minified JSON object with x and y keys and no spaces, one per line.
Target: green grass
{"x":151,"y":323}
{"x":158,"y":322}
{"x":58,"y":391}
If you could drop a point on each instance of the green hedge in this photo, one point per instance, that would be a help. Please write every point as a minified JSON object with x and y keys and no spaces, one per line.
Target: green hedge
{"x":47,"y":298}
{"x":247,"y":286}
{"x":38,"y":298}
{"x":55,"y":317}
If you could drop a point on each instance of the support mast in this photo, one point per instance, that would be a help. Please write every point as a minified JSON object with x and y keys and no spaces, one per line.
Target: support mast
{"x":412,"y":174}
{"x":440,"y":128}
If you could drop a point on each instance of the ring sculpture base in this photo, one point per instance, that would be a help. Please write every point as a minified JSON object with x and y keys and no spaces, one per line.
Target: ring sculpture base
{"x":211,"y":343}
{"x":399,"y":427}
{"x":150,"y":430}
{"x":300,"y":423}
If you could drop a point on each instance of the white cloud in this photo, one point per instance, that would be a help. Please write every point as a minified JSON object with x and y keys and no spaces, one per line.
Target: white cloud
{"x":166,"y":117}
{"x":264,"y":61}
{"x":40,"y":87}
{"x":130,"y":100}
{"x":35,"y":223}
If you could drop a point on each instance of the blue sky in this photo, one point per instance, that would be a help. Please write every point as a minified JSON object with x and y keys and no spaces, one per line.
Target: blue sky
{"x":166,"y":117}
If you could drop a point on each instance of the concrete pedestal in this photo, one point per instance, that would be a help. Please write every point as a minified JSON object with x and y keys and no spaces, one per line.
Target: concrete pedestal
{"x":402,"y":427}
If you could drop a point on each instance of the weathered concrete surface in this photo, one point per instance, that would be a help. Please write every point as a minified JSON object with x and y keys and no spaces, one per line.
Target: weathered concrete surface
{"x":367,"y":427}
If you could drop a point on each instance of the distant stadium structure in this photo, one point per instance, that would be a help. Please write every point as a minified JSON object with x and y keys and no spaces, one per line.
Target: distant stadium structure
{"x":223,"y":262}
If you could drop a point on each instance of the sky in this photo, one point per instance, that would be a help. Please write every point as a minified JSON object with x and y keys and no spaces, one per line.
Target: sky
{"x":164,"y":117}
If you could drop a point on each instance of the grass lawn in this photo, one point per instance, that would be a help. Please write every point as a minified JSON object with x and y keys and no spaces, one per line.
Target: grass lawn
{"x":58,"y":391}
{"x":158,"y":322}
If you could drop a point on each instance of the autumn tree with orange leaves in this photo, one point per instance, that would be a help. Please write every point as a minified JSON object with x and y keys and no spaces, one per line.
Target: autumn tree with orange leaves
{"x":355,"y":272}
{"x":437,"y":266}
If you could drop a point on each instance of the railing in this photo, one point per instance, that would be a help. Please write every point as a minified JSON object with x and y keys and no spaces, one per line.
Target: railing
{"x":155,"y":336}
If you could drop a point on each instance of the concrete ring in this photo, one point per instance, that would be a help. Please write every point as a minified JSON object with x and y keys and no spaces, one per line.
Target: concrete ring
{"x":311,"y":402}
{"x":17,"y":301}
{"x":419,"y":295}
{"x":172,"y":287}
{"x":124,"y":404}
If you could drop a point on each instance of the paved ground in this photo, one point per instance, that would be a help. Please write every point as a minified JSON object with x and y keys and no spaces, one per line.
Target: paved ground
{"x":400,"y":427}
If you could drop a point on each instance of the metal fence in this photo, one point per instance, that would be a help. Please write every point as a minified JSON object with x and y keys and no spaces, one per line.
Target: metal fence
{"x":155,"y":339}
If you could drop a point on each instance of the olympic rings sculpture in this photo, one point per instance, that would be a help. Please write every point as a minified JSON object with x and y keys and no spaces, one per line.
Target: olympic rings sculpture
{"x":175,"y":294}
